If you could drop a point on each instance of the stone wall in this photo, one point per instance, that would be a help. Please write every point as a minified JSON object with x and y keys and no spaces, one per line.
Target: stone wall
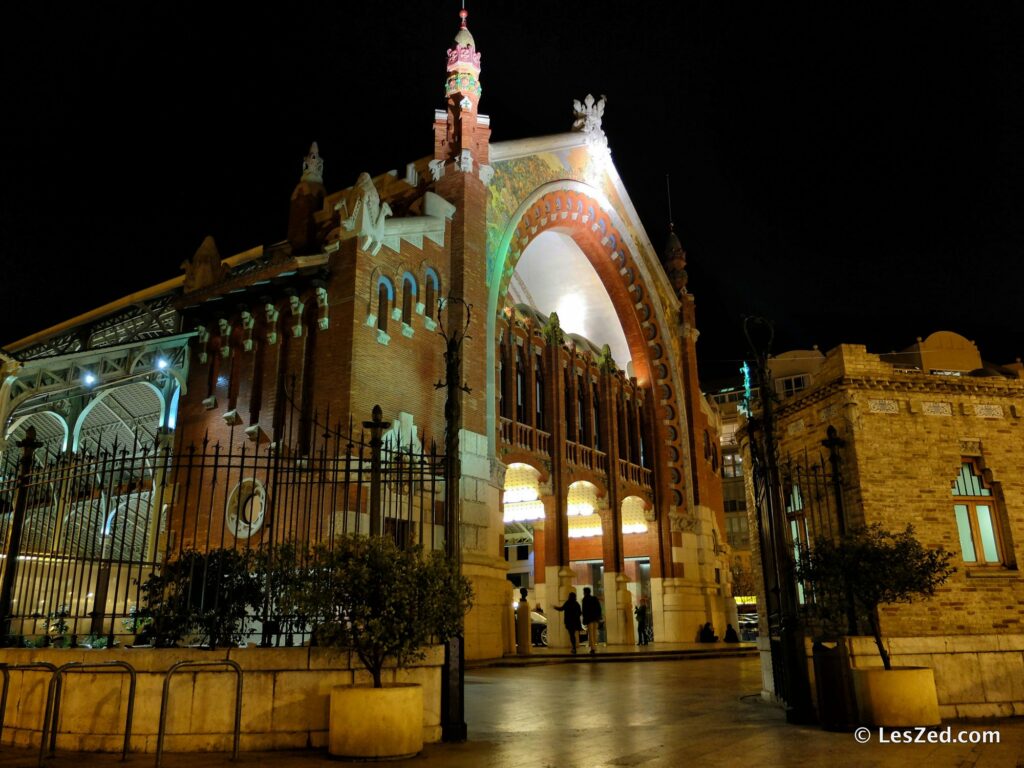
{"x":285,"y":698}
{"x":906,"y":433}
{"x":975,"y":675}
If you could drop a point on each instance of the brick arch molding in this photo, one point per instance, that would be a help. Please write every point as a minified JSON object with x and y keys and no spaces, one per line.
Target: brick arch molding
{"x":579,"y":211}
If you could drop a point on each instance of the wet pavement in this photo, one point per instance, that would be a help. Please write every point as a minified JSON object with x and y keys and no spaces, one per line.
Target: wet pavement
{"x":655,"y":713}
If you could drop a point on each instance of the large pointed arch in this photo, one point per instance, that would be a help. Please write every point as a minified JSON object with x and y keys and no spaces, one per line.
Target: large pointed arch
{"x":643,"y":300}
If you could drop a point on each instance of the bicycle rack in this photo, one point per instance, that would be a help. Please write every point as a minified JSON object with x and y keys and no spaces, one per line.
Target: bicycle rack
{"x":53,"y":695}
{"x":167,"y":689}
{"x":5,"y":669}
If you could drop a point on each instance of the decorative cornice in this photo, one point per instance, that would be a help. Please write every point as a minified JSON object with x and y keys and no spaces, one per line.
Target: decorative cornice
{"x":907,"y":384}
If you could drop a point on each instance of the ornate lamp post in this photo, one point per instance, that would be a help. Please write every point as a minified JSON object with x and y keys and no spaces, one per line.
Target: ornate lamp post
{"x":453,"y":675}
{"x":376,"y":426}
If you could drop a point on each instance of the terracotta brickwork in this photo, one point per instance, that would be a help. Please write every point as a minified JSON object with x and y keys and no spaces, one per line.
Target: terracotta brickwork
{"x":307,"y":335}
{"x":907,"y":434}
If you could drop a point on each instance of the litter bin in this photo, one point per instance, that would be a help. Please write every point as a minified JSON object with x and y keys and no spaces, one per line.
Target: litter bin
{"x":837,"y":708}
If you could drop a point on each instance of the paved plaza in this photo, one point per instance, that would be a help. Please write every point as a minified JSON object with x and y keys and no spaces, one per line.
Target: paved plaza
{"x":639,"y":714}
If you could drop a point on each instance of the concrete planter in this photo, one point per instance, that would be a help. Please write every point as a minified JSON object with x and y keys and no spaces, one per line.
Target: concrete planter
{"x":369,"y":723}
{"x":900,"y":696}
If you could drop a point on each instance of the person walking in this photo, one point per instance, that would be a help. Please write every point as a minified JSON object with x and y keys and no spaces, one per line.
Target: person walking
{"x":571,"y":613}
{"x":591,"y":617}
{"x":641,"y":612}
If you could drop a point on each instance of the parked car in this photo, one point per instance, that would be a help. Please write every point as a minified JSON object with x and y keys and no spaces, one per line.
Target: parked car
{"x":538,"y":628}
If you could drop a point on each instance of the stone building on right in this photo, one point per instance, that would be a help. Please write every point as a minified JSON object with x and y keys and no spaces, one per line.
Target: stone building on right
{"x":931,"y":436}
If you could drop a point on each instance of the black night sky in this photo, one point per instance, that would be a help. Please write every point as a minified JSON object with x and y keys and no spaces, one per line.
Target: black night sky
{"x":853,"y":171}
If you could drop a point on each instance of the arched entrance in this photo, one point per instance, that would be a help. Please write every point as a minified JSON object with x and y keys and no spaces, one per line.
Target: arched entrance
{"x":562,"y":396}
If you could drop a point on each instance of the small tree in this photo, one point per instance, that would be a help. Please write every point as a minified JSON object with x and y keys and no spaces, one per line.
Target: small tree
{"x":872,"y":566}
{"x":381,"y":602}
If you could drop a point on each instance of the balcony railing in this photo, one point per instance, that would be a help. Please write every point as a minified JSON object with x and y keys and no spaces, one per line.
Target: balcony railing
{"x":525,"y":437}
{"x":582,"y":456}
{"x":634,"y":473}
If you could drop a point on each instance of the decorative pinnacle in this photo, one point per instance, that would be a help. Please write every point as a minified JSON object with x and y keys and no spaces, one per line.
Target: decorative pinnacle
{"x":313,"y":165}
{"x":463,"y":37}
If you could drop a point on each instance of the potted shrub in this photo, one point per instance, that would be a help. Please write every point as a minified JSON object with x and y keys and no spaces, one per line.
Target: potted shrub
{"x":381,"y":603}
{"x":871,"y":566}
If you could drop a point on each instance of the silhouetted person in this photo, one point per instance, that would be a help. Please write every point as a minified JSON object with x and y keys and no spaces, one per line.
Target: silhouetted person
{"x":730,"y":634}
{"x":707,"y":633}
{"x":571,"y":613}
{"x":591,"y":617}
{"x":642,"y":613}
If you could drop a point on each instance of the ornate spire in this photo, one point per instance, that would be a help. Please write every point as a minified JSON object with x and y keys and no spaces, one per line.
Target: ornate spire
{"x":463,"y":62}
{"x":674,"y":260}
{"x":674,"y":257}
{"x":313,"y":165}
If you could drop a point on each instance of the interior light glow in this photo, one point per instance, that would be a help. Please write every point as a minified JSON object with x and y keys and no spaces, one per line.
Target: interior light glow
{"x":582,"y":527}
{"x":523,"y":511}
{"x":572,"y":314}
{"x":88,"y":379}
{"x":582,"y":509}
{"x":161,"y":363}
{"x":582,"y":500}
{"x":633,"y":519}
{"x":522,"y":494}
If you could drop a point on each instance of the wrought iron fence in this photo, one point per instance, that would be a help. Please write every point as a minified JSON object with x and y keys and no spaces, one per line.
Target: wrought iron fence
{"x":81,"y":533}
{"x":810,"y":494}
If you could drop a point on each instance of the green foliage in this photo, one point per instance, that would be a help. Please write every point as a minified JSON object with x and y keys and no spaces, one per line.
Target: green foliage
{"x":381,"y":602}
{"x":284,"y":572}
{"x":208,"y":594}
{"x":871,"y":566}
{"x":57,"y":622}
{"x":136,"y":620}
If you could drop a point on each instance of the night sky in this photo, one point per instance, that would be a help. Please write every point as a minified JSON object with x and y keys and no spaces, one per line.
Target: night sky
{"x":852,"y":171}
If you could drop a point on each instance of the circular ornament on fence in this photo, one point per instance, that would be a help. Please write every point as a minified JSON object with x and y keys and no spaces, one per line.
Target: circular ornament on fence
{"x":245,"y":508}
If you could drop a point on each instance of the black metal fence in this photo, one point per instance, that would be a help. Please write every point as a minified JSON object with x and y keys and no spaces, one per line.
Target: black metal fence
{"x":81,"y":533}
{"x":808,"y":490}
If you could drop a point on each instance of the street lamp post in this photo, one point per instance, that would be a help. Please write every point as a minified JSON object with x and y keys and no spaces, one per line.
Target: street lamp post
{"x":453,"y":682}
{"x":376,"y":426}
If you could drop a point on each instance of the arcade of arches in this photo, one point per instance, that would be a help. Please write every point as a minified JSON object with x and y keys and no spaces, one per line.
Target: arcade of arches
{"x":578,"y":433}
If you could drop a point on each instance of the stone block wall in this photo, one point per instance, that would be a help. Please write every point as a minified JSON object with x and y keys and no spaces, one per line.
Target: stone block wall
{"x":975,"y":675}
{"x":906,"y":434}
{"x":285,"y":698}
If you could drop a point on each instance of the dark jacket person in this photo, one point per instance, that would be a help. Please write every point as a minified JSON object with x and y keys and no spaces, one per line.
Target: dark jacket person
{"x":591,"y":617}
{"x":571,"y":613}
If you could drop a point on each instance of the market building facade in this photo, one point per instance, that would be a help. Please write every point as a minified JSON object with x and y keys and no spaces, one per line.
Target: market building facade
{"x":583,"y":437}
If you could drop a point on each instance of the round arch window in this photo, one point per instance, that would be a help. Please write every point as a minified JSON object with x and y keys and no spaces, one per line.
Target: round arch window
{"x":245,"y":508}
